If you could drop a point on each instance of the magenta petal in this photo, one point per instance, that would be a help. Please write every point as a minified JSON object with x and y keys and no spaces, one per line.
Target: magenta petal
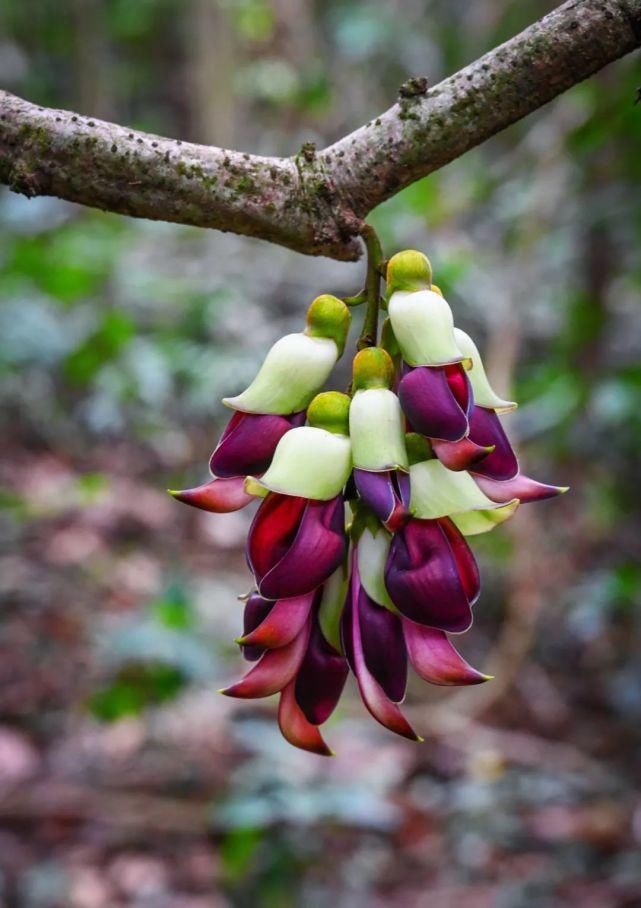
{"x":294,"y":726}
{"x":380,"y":707}
{"x":459,"y":455}
{"x":521,"y":487}
{"x":386,"y":493}
{"x":435,"y":659}
{"x":468,"y":569}
{"x":320,"y":679}
{"x":308,"y":559}
{"x":255,"y":612}
{"x":248,"y":443}
{"x":383,"y":647}
{"x":422,"y":577}
{"x":283,"y":621}
{"x":273,"y":672}
{"x":486,"y":429}
{"x":430,"y":404}
{"x":220,"y":496}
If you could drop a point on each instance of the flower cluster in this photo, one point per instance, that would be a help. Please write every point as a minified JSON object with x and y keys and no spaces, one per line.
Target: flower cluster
{"x":358,"y":548}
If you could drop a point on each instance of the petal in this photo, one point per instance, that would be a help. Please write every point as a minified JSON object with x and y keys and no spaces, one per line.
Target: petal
{"x":459,"y":455}
{"x":483,"y":393}
{"x":273,"y":671}
{"x":439,"y":492}
{"x":284,"y":621}
{"x":294,"y":726}
{"x":373,"y":550}
{"x":468,"y":569}
{"x":486,"y":429}
{"x":273,"y":530}
{"x":473,"y":523}
{"x":383,"y":494}
{"x":376,"y":430}
{"x":316,"y":551}
{"x":430,"y":405}
{"x":422,"y":578}
{"x":320,"y":679}
{"x":221,"y":496}
{"x":331,"y":607}
{"x":309,"y":462}
{"x":379,"y":706}
{"x":521,"y":487}
{"x":248,"y":443}
{"x":434,"y":658}
{"x":255,"y":612}
{"x":424,"y":328}
{"x":383,"y":647}
{"x":295,"y":368}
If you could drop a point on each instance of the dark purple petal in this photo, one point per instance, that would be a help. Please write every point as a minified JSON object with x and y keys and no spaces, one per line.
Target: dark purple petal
{"x":430,"y":405}
{"x":220,"y":496}
{"x":377,"y":703}
{"x":280,"y":623}
{"x":486,"y":429}
{"x":435,"y":659}
{"x":383,"y":647}
{"x":521,"y":487}
{"x":382,"y":492}
{"x":273,"y":671}
{"x":422,"y":577}
{"x":256,"y":611}
{"x":320,"y":679}
{"x":460,"y":455}
{"x":248,"y":443}
{"x":294,"y":726}
{"x":295,"y":544}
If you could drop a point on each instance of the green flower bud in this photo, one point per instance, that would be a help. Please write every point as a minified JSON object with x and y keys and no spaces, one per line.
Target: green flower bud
{"x":372,"y":368}
{"x":330,"y":411}
{"x":329,"y":317}
{"x":408,"y":270}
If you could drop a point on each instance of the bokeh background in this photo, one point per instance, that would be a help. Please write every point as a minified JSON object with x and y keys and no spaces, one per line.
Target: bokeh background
{"x":125,"y":780}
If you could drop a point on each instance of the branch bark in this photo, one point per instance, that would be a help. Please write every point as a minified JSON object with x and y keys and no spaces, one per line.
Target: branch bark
{"x":313,"y":202}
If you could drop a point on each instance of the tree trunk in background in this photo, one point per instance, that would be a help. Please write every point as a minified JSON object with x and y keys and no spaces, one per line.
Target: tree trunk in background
{"x":211,"y":55}
{"x":94,"y":93}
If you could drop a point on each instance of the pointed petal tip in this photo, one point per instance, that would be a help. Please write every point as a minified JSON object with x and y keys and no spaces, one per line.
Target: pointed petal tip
{"x":563,"y":489}
{"x":483,"y":677}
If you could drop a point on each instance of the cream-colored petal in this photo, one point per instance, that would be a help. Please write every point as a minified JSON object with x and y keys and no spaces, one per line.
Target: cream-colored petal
{"x":472,"y":523}
{"x":376,"y":431}
{"x":295,"y":368}
{"x":372,"y":556}
{"x":439,"y":492}
{"x":309,"y":462}
{"x":484,"y":395}
{"x":424,"y":328}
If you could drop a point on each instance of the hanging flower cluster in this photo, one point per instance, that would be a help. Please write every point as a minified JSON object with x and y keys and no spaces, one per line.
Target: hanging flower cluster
{"x":358,"y":548}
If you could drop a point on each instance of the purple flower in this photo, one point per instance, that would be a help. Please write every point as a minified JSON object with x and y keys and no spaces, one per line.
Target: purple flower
{"x":431,"y":575}
{"x":387,"y":494}
{"x":437,"y":400}
{"x":294,"y":544}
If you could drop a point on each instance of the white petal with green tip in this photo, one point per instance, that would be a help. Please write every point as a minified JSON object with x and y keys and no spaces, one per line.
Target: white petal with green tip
{"x":376,"y":431}
{"x":295,"y":368}
{"x":309,"y":462}
{"x":484,"y":395}
{"x":372,"y":555}
{"x":439,"y":492}
{"x":424,"y":328}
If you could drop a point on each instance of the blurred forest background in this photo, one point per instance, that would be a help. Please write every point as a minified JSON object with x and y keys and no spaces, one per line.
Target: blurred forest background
{"x":125,"y":780}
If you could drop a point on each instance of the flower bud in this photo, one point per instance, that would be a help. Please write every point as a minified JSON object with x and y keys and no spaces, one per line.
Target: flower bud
{"x":484,"y":395}
{"x":330,"y":411}
{"x":408,"y":270}
{"x":308,"y":462}
{"x":439,"y":492}
{"x":329,"y":317}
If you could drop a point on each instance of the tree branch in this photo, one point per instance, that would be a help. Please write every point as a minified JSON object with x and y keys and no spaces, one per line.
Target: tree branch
{"x":313,"y":202}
